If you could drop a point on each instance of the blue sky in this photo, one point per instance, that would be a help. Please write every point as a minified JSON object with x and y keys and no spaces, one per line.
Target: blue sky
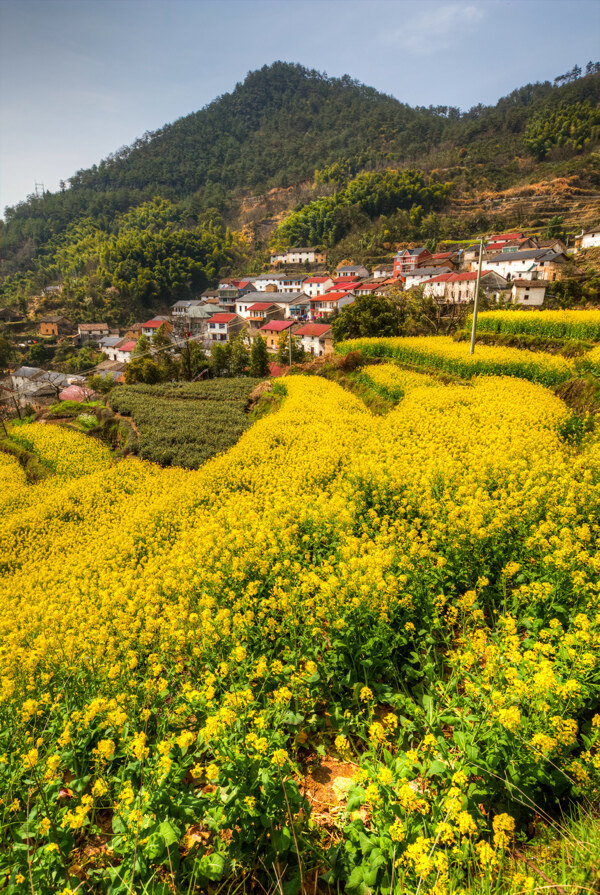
{"x":81,"y":78}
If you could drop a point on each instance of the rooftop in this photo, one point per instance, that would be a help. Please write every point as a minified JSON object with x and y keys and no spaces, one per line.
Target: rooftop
{"x":313,"y":329}
{"x":223,"y":318}
{"x":277,"y":325}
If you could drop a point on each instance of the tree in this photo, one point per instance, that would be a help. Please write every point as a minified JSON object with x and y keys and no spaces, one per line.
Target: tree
{"x":259,"y":357}
{"x":369,"y":315}
{"x":220,"y":353}
{"x":144,"y":369}
{"x":554,"y":229}
{"x":239,"y":357}
{"x":6,"y":352}
{"x":193,"y":359}
{"x":142,"y":346}
{"x":161,"y":346}
{"x":283,"y":350}
{"x":101,"y":384}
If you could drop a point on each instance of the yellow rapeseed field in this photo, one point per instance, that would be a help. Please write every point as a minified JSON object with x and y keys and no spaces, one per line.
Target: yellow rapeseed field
{"x":413,"y":598}
{"x":443,"y":353}
{"x":550,"y":324}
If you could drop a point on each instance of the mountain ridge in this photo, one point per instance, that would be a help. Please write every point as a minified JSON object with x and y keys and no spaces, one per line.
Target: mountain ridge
{"x":296,"y":135}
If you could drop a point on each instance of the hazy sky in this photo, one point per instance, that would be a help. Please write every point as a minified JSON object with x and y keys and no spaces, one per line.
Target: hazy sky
{"x":81,"y":78}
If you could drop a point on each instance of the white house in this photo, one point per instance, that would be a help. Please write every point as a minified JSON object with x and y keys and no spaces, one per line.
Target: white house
{"x":223,"y":327}
{"x":528,"y":292}
{"x":587,"y":239}
{"x":383,"y":272}
{"x":310,"y":255}
{"x":152,"y":326}
{"x":347,"y":271}
{"x":459,"y":288}
{"x":421,"y":275}
{"x":280,"y":282}
{"x":520,"y":264}
{"x":122,"y":352}
{"x":316,"y":338}
{"x":317,"y":285}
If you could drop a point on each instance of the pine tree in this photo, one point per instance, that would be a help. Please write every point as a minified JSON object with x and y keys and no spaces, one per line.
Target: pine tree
{"x":239,"y":357}
{"x":259,"y":357}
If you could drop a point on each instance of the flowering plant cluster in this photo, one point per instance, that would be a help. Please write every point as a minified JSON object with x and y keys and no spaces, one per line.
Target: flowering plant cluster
{"x":441,"y":353}
{"x":549,"y":324}
{"x":413,"y":597}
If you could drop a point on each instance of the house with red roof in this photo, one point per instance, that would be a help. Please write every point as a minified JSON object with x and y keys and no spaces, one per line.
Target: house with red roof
{"x":223,"y":327}
{"x":366,"y":288}
{"x":407,"y":259}
{"x":262,"y":312}
{"x":152,"y":326}
{"x":272,"y":331}
{"x":122,"y":352}
{"x":316,"y":338}
{"x":317,"y":285}
{"x":324,"y":305}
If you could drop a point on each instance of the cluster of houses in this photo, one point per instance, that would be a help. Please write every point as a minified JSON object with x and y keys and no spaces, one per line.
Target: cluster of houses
{"x":516,"y":267}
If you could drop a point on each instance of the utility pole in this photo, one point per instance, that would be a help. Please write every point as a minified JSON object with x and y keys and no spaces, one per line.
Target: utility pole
{"x":475,"y":306}
{"x":290,"y":338}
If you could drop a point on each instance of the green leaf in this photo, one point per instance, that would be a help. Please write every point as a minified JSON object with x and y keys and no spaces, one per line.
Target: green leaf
{"x":169,"y":833}
{"x":437,"y":768}
{"x":293,"y":719}
{"x":281,"y":840}
{"x":355,"y":882}
{"x":212,"y":866}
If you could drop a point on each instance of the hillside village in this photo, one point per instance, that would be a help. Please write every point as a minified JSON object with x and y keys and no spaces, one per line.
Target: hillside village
{"x":298,"y":295}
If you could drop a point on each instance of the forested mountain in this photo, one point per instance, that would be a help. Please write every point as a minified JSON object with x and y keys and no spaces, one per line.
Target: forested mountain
{"x":279,"y":127}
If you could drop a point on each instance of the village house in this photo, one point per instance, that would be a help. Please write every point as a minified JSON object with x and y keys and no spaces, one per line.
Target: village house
{"x":122,"y":352}
{"x":383,"y":271}
{"x":108,"y":342}
{"x":366,"y":288}
{"x":528,"y":292}
{"x":553,"y":245}
{"x":92,"y":332}
{"x":316,"y":338}
{"x":271,"y":332}
{"x":9,"y":315}
{"x":179,"y":311}
{"x":459,"y":288}
{"x":295,"y":305}
{"x":223,"y":327}
{"x":349,"y":271}
{"x":279,"y":282}
{"x":344,"y":284}
{"x":39,"y":388}
{"x":109,"y":369}
{"x":317,"y":285}
{"x":517,"y":264}
{"x":197,"y":317}
{"x":408,"y":259}
{"x":55,"y":325}
{"x":262,"y":312}
{"x":309,"y":255}
{"x":587,"y":239}
{"x":324,"y":305}
{"x":445,"y":259}
{"x":420,"y":275}
{"x":470,"y":257}
{"x":152,"y":326}
{"x":224,"y":299}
